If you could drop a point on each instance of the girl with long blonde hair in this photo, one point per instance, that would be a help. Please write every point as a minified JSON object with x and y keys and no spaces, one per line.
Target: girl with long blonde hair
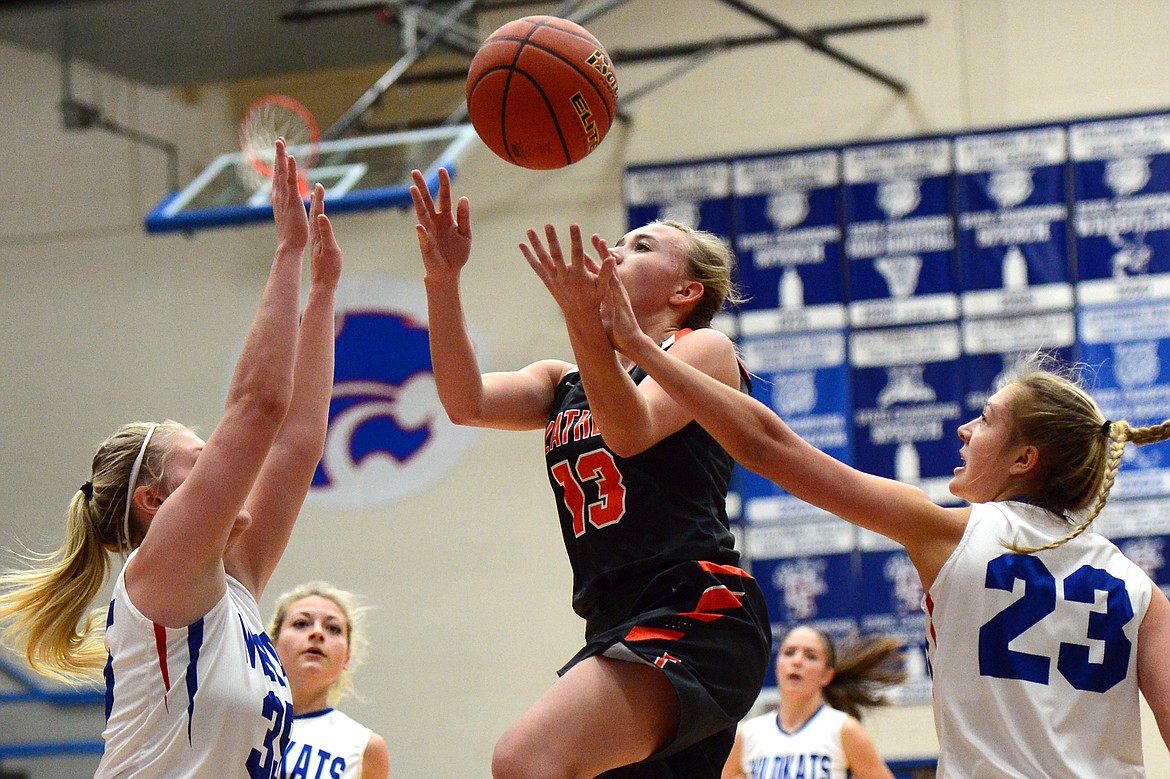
{"x":193,"y":685}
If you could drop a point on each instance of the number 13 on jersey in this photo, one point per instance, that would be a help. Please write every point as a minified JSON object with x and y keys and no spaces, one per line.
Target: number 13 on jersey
{"x":597,"y":469}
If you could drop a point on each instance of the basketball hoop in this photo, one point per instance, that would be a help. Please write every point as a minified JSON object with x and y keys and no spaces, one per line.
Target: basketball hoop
{"x":268,"y":118}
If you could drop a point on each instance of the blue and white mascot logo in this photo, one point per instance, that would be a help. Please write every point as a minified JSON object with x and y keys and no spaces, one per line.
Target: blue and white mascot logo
{"x":389,"y":437}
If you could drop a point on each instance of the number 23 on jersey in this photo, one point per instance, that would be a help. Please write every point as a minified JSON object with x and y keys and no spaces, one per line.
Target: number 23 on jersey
{"x":1094,"y":660}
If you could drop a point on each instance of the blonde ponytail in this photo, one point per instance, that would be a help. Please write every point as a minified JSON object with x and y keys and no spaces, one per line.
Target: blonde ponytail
{"x":43,"y":608}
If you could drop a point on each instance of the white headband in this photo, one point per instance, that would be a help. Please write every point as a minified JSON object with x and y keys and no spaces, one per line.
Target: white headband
{"x":133,"y":481}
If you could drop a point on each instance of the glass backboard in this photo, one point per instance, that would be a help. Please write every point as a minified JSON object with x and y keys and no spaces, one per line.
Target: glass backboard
{"x":360,"y":174}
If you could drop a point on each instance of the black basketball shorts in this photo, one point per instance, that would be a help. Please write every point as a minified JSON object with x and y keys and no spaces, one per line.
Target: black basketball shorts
{"x":706,"y":626}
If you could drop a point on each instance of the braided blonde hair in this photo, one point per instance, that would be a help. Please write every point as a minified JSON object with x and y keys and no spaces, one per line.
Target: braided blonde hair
{"x":1080,"y":450}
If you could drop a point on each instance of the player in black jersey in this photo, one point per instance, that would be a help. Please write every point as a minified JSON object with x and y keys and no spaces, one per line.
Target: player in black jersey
{"x":677,"y":637}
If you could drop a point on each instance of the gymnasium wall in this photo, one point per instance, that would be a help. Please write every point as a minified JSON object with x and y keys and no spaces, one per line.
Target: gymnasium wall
{"x":470,"y":588}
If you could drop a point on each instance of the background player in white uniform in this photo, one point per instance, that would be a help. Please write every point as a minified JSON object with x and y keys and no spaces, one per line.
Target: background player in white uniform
{"x":815,"y":731}
{"x":317,"y":630}
{"x":193,"y":685}
{"x":1041,"y":441}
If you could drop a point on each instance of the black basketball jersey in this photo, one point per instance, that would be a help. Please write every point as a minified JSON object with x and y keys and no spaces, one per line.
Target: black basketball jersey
{"x":626,"y":519}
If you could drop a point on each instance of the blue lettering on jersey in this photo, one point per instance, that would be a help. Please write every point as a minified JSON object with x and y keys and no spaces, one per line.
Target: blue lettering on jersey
{"x":804,"y":766}
{"x":303,"y":768}
{"x":300,"y":768}
{"x":1075,"y":660}
{"x":264,"y":763}
{"x":260,"y":649}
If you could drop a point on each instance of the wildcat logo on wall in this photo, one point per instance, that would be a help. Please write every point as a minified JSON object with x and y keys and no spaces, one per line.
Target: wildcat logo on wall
{"x":389,"y":437}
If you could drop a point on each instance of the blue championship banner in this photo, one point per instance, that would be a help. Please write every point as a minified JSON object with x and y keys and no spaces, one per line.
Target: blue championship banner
{"x":904,"y":307}
{"x":1121,"y":208}
{"x":1141,"y":529}
{"x":1013,"y":223}
{"x":993,"y":347}
{"x":792,"y":326}
{"x":808,"y":573}
{"x":804,"y":378}
{"x":1128,"y":344}
{"x":788,"y":242}
{"x":891,"y":603}
{"x":695,"y":194}
{"x":899,"y":233}
{"x":1015,"y":261}
{"x":1121,"y":219}
{"x":907,"y":404}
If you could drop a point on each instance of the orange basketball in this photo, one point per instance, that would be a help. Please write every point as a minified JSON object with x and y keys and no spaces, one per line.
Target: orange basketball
{"x":541,"y":92}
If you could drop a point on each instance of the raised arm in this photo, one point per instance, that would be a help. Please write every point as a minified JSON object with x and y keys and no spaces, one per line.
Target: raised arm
{"x":631,"y":417}
{"x":516,"y":400}
{"x":760,"y":441}
{"x":177,"y":574}
{"x":284,"y":481}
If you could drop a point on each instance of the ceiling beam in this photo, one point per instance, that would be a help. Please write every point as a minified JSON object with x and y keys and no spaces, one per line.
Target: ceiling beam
{"x":816,"y":43}
{"x":647,"y":54}
{"x":413,"y":52}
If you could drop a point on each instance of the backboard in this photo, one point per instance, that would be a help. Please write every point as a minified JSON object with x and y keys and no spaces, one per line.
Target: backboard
{"x":359,"y":173}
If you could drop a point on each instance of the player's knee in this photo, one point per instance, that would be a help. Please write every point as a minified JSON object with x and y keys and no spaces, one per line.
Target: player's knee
{"x":518,"y":758}
{"x":511,"y":760}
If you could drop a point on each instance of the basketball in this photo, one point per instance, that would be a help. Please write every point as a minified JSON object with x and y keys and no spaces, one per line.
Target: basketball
{"x":541,"y":92}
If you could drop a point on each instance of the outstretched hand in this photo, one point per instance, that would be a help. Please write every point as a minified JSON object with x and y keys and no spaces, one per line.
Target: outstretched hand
{"x":324,"y":253}
{"x":444,"y":236}
{"x":617,"y":313}
{"x":573,"y":285}
{"x":288,"y":209}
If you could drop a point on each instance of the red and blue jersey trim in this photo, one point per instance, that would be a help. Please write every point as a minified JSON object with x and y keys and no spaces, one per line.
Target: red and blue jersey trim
{"x":194,"y":647}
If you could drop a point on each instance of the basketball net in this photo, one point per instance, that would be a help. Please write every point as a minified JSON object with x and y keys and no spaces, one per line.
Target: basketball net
{"x":268,"y":118}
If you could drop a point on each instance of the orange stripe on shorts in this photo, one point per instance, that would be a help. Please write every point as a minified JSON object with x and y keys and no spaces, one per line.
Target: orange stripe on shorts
{"x":640,"y":633}
{"x":710,"y":567}
{"x":718,"y":598}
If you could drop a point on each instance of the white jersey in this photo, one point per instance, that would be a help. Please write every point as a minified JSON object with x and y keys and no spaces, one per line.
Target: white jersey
{"x":325,"y":745}
{"x":814,"y":751}
{"x":1035,"y":656}
{"x":207,"y":700}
